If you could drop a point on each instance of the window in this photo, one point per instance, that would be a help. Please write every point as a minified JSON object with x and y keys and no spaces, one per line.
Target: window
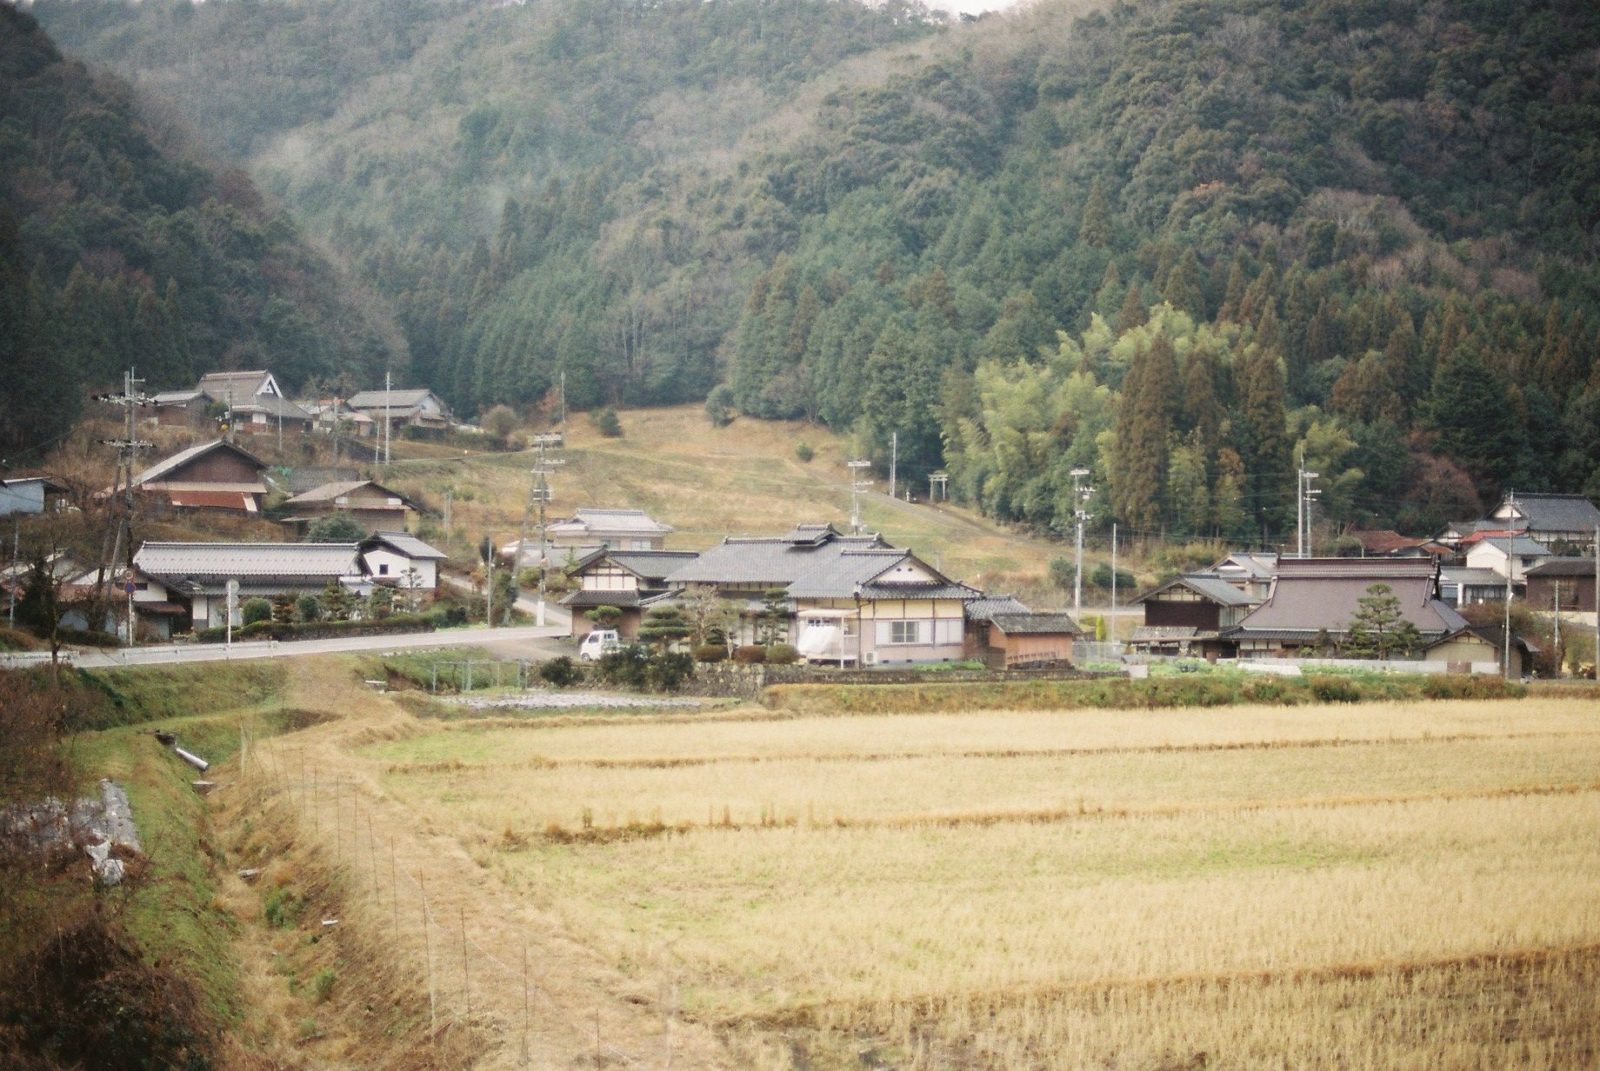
{"x":383,"y":568}
{"x":903,"y":631}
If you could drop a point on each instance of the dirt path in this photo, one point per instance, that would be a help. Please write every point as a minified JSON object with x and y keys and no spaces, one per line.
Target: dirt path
{"x":574,"y":1011}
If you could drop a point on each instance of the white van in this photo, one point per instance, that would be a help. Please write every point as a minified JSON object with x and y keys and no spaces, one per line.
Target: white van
{"x":601,"y":641}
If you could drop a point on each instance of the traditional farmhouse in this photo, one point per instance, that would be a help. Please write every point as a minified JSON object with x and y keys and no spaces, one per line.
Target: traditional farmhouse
{"x":212,"y":476}
{"x":196,"y":575}
{"x":252,"y":400}
{"x":1570,"y":519}
{"x":628,"y":580}
{"x":589,"y":530}
{"x":1313,"y":600}
{"x":1250,"y":573}
{"x":1386,"y":543}
{"x":1187,"y":616}
{"x":401,"y":408}
{"x":1460,"y":586}
{"x":847,"y":598}
{"x":1509,"y":557}
{"x":396,"y":559}
{"x":27,"y":495}
{"x":1565,"y":584}
{"x":371,"y":505}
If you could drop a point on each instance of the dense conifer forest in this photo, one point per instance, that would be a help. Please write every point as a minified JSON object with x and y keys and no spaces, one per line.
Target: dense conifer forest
{"x":122,"y":245}
{"x":1183,"y":244}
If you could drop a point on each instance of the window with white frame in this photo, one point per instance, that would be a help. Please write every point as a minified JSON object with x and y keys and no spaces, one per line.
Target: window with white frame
{"x":904,"y":631}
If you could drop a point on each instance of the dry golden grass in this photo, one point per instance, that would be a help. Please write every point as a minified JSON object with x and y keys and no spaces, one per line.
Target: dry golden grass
{"x":1394,"y":885}
{"x":709,"y":482}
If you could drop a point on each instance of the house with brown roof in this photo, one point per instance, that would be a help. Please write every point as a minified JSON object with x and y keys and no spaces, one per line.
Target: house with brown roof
{"x":1187,"y":616}
{"x":211,"y":476}
{"x":1313,"y":600}
{"x":1565,"y":584}
{"x":370,"y":504}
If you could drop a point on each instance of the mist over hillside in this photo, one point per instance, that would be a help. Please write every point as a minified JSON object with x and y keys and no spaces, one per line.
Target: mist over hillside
{"x":1181,"y":244}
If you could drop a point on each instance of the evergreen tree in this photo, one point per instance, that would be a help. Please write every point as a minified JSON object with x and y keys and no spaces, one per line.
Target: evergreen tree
{"x":1262,"y":439}
{"x":1144,"y":427}
{"x":1095,"y":228}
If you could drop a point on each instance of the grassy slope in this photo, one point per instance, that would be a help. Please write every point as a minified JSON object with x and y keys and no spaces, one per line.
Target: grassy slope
{"x":708,"y":482}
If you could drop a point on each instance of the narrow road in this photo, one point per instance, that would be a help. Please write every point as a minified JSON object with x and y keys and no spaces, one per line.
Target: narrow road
{"x":540,"y":642}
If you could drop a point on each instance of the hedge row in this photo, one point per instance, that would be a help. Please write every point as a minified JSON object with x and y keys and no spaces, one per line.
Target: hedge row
{"x":322,"y":630}
{"x":1211,"y":690}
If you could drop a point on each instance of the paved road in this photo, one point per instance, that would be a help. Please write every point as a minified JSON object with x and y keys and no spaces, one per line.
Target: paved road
{"x":532,"y":642}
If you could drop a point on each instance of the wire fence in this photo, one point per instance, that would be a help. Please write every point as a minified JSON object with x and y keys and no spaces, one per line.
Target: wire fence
{"x":467,"y":978}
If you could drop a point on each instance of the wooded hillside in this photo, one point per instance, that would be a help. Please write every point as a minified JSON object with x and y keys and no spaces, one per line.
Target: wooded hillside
{"x":122,"y":246}
{"x":1176,"y":243}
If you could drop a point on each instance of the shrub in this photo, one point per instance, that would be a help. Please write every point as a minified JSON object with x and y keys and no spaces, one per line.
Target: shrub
{"x":719,"y":405}
{"x":322,"y":983}
{"x":710,"y":652}
{"x":307,"y":608}
{"x":561,"y":671}
{"x":750,"y":654}
{"x":1334,"y":689}
{"x":606,"y":423}
{"x":283,"y":908}
{"x":666,"y":672}
{"x":782,"y":654}
{"x":255,"y":610}
{"x":803,"y":451}
{"x":625,"y":666}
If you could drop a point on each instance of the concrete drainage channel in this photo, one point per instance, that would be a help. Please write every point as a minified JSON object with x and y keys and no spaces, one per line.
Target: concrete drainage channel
{"x":570,"y":701}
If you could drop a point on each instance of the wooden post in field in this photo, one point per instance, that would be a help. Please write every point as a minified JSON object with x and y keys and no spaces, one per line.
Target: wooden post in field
{"x":466,"y":964}
{"x":394,"y":889}
{"x":427,"y":942}
{"x":524,"y":1004}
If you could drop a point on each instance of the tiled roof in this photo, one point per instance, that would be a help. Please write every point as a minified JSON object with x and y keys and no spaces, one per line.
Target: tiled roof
{"x":652,"y":565}
{"x":239,"y":386}
{"x":387,"y":399}
{"x":183,"y":457}
{"x":1210,"y":586}
{"x":272,"y":405}
{"x":631,"y":521}
{"x":582,"y":599}
{"x":1475,"y":578}
{"x":223,"y":561}
{"x":174,"y":397}
{"x":1563,"y":567}
{"x":1315,"y":594}
{"x":405,"y":543}
{"x":776,"y":562}
{"x":330,"y":492}
{"x":985,"y":607}
{"x":1037,"y":624}
{"x":1518,"y":546}
{"x":1555,"y":513}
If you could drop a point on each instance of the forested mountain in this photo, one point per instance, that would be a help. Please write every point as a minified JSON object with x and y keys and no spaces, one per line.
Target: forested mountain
{"x":1173,"y":242}
{"x":119,"y":248}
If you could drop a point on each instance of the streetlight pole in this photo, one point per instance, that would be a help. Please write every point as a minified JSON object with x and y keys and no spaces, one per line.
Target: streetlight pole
{"x":1079,"y":496}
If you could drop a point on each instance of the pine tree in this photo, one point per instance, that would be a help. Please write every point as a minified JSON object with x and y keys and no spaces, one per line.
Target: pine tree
{"x":1263,"y":440}
{"x":1095,"y":228}
{"x":1378,"y":626}
{"x":1144,"y":427}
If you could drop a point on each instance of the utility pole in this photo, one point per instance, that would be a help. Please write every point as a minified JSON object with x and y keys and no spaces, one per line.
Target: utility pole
{"x":1505,"y":654}
{"x":449,"y":492}
{"x":388,"y":434}
{"x":1304,"y":493}
{"x":1597,"y":601}
{"x":120,"y":520}
{"x":538,"y":491}
{"x":487,"y":548}
{"x":1080,"y":496}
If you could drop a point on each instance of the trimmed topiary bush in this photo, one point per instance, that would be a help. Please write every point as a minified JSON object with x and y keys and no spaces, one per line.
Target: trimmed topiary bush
{"x":750,"y":654}
{"x":710,"y":652}
{"x":561,"y":671}
{"x":254,"y":610}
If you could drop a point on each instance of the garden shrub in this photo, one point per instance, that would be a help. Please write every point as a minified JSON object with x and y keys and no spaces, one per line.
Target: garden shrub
{"x":750,"y":654}
{"x":782,"y":654}
{"x":710,"y":652}
{"x":561,"y":671}
{"x":255,"y":610}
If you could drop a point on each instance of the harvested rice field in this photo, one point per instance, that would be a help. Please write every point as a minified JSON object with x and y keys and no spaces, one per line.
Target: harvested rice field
{"x":1377,"y":886}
